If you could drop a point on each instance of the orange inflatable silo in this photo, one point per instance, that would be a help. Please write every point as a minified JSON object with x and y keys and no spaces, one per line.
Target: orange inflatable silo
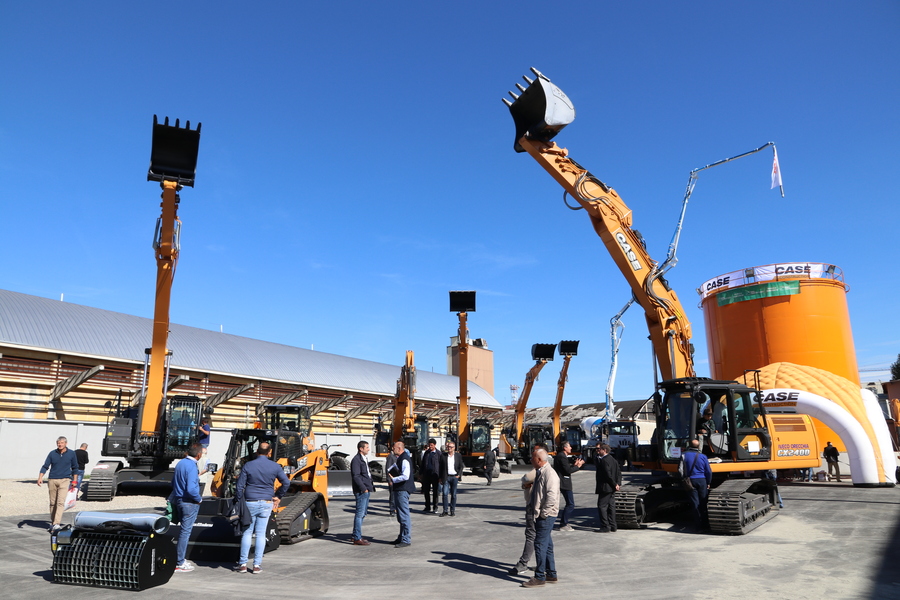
{"x":788,"y":312}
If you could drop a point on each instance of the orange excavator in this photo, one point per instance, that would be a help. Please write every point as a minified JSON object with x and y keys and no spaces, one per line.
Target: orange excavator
{"x":744,"y":437}
{"x":517,"y":441}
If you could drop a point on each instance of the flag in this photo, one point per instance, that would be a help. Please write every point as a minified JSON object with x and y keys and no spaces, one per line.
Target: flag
{"x":776,"y":172}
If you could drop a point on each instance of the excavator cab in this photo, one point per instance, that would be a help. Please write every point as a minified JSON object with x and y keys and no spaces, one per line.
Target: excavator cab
{"x":183,"y":415}
{"x":541,"y":111}
{"x":740,"y":432}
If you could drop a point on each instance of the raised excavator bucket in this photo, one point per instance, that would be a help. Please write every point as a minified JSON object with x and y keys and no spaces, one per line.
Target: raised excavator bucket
{"x":173,"y":156}
{"x":540,"y":111}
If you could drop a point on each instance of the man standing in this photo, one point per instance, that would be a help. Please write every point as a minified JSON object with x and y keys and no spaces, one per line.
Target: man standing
{"x":256,"y":487}
{"x":545,"y":506}
{"x":451,"y":470}
{"x":564,"y":468}
{"x":81,"y":455}
{"x":521,"y":565}
{"x":490,"y":459}
{"x":63,"y":467}
{"x":362,"y":487}
{"x":429,"y":475}
{"x":204,"y":429}
{"x":831,"y":455}
{"x":186,"y":498}
{"x":401,"y":478}
{"x":609,"y":480}
{"x":697,"y":469}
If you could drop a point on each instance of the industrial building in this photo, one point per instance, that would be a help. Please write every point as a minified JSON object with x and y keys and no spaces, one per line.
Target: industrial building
{"x":68,"y":362}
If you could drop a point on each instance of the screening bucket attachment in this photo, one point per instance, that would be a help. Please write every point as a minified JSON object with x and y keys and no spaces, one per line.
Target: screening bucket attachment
{"x":173,"y":156}
{"x":541,"y":111}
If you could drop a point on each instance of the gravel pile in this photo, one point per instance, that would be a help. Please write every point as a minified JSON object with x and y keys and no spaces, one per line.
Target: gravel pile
{"x":25,"y":498}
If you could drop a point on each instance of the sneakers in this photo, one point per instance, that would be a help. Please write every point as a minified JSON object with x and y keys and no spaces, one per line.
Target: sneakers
{"x":256,"y":570}
{"x":241,"y":568}
{"x":445,"y":514}
{"x":567,"y":528}
{"x":519,"y":569}
{"x":402,"y":545}
{"x":184,"y":567}
{"x":533,"y":582}
{"x":551,"y":579}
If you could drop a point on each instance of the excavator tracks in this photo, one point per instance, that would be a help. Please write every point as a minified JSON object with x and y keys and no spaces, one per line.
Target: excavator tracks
{"x":101,"y":487}
{"x":293,"y":511}
{"x":738,"y":506}
{"x":630,"y":511}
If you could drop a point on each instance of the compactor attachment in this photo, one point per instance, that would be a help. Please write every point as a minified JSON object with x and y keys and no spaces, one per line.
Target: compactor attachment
{"x":541,"y":111}
{"x":173,"y":156}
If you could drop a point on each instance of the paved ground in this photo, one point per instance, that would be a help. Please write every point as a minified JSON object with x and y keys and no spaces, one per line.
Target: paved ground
{"x":831,"y":541}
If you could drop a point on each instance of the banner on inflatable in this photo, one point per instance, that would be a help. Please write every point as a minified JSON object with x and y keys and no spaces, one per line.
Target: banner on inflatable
{"x":791,"y":271}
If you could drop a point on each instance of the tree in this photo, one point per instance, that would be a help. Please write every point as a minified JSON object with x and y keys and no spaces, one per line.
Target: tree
{"x":895,"y":369}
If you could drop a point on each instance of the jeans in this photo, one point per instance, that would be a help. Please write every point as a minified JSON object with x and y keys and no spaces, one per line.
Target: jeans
{"x":528,"y":550}
{"x":260,"y":510}
{"x":569,"y":495}
{"x":362,"y":505}
{"x":543,"y":548}
{"x":699,"y":498}
{"x":449,"y":489}
{"x":80,"y":474}
{"x":402,"y":501}
{"x":188,"y":516}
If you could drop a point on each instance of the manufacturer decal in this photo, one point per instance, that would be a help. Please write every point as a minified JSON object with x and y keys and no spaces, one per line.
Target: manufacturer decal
{"x":629,"y":253}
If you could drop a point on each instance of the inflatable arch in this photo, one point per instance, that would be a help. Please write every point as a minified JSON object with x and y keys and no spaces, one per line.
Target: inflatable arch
{"x":853,"y":414}
{"x":866,"y":462}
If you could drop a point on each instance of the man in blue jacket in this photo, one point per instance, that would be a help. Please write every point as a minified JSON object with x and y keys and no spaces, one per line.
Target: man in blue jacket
{"x":63,"y":468}
{"x":362,"y":488}
{"x":185,"y":497}
{"x":256,"y":487}
{"x":696,"y":468}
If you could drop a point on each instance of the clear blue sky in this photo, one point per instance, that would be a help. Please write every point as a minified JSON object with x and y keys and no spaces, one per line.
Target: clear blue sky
{"x":356,"y":164}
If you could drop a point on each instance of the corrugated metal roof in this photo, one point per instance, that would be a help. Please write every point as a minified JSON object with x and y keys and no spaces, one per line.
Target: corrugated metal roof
{"x":44,"y":324}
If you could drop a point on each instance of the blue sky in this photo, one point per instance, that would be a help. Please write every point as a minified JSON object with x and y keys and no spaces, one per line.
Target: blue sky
{"x":356,"y":164}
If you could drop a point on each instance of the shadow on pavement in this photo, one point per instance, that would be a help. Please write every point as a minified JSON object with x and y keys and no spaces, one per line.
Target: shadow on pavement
{"x":475,"y":564}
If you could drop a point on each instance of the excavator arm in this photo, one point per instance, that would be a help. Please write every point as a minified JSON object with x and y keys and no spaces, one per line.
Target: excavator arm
{"x":540,"y":112}
{"x":541,"y":354}
{"x":567,"y":349}
{"x":405,"y":401}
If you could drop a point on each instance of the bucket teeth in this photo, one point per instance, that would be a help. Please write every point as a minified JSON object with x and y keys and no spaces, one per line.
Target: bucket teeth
{"x":540,"y":111}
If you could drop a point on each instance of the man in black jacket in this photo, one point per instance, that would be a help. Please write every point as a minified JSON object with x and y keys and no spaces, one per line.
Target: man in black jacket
{"x":362,"y":487}
{"x":429,"y":474}
{"x":564,"y":467}
{"x":451,"y":472}
{"x":609,"y":480}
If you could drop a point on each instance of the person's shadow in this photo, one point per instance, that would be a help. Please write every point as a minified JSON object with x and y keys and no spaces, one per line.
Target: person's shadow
{"x":474,"y":564}
{"x":33,"y":523}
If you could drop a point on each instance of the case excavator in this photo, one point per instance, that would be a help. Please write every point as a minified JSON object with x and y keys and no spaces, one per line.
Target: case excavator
{"x":745,"y":437}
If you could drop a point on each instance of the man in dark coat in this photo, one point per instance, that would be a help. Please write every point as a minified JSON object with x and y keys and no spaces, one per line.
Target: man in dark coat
{"x":362,"y":488}
{"x":490,"y":460}
{"x":451,"y":472}
{"x":564,"y":467}
{"x":609,"y":480}
{"x":429,"y":475}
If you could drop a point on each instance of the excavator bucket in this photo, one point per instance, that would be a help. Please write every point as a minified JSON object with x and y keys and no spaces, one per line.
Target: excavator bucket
{"x":173,"y":155}
{"x":541,"y":111}
{"x":568,"y":348}
{"x":542,"y":351}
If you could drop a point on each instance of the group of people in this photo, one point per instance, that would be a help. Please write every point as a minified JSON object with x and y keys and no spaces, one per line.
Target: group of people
{"x":437,"y":471}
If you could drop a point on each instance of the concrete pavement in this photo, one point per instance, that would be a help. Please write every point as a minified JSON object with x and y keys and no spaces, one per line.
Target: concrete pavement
{"x":830,"y":541}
